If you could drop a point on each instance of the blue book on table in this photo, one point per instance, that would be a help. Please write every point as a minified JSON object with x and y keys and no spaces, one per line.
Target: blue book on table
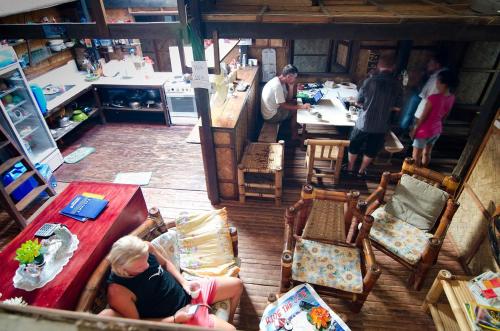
{"x":82,"y":207}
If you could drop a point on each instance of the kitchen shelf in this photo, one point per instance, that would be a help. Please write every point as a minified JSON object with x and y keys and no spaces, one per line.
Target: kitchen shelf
{"x":140,"y":110}
{"x":29,"y":133}
{"x":22,"y":119}
{"x":9,"y":91}
{"x":64,"y":131}
{"x":17,"y":105}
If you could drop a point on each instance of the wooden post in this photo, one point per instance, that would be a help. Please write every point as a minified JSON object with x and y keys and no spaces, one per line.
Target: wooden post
{"x":155,"y":215}
{"x":364,"y":232}
{"x":436,"y":289}
{"x":307,"y":199}
{"x":403,"y":54}
{"x":203,"y":107}
{"x":286,"y":271}
{"x":351,"y":222}
{"x":428,"y":258}
{"x":241,"y":182}
{"x":215,"y":39}
{"x":99,"y":15}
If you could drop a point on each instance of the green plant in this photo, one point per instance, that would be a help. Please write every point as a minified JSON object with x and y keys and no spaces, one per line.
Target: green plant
{"x":29,"y":251}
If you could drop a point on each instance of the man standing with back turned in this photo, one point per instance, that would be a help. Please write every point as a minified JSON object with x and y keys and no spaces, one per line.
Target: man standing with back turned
{"x":277,"y":99}
{"x":378,"y":95}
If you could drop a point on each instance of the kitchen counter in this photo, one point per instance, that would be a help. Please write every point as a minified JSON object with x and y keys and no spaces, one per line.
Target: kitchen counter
{"x":69,"y":75}
{"x":228,"y":115}
{"x":233,"y":124}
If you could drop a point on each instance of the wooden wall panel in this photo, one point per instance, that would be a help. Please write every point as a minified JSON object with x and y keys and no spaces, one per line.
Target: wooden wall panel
{"x":225,"y":162}
{"x":469,"y":225}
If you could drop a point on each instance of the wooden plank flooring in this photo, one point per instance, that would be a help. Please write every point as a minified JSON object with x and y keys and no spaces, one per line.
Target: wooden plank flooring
{"x":178,"y":184}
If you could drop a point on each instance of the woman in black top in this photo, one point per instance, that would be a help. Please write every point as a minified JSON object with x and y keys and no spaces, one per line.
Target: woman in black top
{"x":143,"y":284}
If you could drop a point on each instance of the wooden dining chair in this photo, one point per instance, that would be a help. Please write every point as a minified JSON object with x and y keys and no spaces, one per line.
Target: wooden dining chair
{"x":324,"y":159}
{"x":411,"y":226}
{"x":320,"y":248}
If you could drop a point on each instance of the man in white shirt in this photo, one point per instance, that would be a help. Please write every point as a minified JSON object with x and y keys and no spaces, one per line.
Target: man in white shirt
{"x":277,"y":104}
{"x":434,"y":67}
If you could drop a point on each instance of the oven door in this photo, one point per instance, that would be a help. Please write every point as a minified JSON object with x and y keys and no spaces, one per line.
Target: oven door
{"x":181,"y":106}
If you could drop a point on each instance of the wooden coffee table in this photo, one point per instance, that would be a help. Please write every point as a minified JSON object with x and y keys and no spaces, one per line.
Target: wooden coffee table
{"x":125,"y":211}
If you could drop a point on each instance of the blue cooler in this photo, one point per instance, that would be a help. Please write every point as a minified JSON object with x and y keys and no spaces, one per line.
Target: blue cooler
{"x":19,"y":193}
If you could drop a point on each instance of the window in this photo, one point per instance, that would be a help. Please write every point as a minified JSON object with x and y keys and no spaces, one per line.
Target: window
{"x":321,"y":55}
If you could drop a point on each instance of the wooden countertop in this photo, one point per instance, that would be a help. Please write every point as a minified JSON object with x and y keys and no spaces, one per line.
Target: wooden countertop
{"x":228,"y":115}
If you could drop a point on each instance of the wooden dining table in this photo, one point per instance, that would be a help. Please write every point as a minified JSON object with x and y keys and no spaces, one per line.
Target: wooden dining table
{"x":330,"y":110}
{"x":125,"y":211}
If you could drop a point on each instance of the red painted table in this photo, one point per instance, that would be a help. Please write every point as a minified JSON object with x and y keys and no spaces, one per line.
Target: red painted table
{"x":126,"y":210}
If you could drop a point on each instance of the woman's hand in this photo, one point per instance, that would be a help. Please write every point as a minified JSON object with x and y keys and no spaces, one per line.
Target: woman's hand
{"x":182,"y":316}
{"x":189,"y":286}
{"x":412,"y":132}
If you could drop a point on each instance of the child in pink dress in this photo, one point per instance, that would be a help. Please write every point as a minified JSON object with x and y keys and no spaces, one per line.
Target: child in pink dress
{"x":429,"y":126}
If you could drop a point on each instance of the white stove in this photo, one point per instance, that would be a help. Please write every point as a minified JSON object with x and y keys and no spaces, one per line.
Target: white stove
{"x":179,"y":88}
{"x":180,"y":100}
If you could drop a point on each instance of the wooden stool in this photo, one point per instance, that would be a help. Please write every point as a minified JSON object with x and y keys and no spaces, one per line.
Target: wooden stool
{"x":261,"y":171}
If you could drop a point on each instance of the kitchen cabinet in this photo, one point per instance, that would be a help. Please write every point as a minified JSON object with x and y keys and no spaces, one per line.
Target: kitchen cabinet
{"x":233,"y":125}
{"x":133,"y":98}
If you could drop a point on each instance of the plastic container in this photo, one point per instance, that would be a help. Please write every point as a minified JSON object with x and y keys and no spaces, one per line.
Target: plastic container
{"x":40,"y":97}
{"x":19,"y":193}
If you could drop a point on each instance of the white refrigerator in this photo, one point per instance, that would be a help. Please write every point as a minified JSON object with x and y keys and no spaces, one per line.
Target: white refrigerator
{"x":20,"y":115}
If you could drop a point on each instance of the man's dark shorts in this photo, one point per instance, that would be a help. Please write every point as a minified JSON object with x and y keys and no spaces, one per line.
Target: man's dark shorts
{"x":372,"y":142}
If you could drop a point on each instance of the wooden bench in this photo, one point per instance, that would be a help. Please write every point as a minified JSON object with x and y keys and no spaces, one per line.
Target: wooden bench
{"x":260,"y":173}
{"x":269,"y":132}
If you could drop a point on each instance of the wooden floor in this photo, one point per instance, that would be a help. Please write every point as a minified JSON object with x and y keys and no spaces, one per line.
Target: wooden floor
{"x":178,"y":184}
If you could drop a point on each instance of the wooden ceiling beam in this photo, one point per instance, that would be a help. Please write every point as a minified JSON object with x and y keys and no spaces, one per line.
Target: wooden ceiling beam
{"x":355,"y":31}
{"x":142,"y":30}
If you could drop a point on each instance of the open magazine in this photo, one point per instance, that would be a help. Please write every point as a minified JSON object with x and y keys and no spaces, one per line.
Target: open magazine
{"x":301,"y":308}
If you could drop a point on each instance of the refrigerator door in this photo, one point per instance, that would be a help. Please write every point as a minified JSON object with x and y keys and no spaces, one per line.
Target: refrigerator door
{"x":22,"y":117}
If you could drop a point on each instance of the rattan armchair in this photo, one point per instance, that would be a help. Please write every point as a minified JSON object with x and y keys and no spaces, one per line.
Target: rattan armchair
{"x":93,"y":297}
{"x":318,"y":249}
{"x":425,"y":253}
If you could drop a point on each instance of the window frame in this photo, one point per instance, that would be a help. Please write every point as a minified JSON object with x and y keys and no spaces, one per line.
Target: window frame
{"x":331,"y":56}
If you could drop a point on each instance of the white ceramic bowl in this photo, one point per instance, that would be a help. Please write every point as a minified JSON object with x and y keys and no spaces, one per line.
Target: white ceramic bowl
{"x":56,"y":48}
{"x":56,"y":42}
{"x":69,"y":44}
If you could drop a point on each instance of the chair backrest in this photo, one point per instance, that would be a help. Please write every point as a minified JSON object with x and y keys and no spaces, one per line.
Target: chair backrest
{"x":445,"y":183}
{"x":326,"y":150}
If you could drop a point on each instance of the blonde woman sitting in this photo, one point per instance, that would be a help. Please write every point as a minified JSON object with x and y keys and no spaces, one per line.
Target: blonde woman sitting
{"x":143,"y":284}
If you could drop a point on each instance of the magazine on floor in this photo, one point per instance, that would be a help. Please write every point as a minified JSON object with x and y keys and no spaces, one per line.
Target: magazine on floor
{"x":301,"y":308}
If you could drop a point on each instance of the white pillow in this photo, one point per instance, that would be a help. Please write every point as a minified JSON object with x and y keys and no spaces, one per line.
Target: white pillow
{"x":167,"y":245}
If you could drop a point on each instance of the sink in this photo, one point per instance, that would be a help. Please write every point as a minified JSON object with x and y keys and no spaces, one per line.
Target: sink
{"x":62,"y":89}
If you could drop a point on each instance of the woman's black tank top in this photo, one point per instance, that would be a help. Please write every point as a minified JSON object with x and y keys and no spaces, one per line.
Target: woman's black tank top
{"x":158,"y":293}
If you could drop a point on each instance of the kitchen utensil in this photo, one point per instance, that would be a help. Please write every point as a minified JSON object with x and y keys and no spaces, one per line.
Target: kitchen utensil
{"x":152,"y":94}
{"x":64,"y":121}
{"x":50,"y":89}
{"x":150,"y":103}
{"x":69,"y":44}
{"x":135,"y":105}
{"x":79,"y":116}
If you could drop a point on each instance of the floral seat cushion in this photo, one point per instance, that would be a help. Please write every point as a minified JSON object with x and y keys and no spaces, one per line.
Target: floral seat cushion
{"x":327,"y":265}
{"x":399,"y":237}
